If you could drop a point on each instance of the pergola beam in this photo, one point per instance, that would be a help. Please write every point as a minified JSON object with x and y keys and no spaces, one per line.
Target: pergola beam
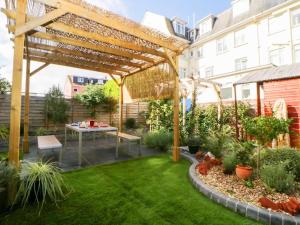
{"x":88,"y":45}
{"x":39,"y":69}
{"x":82,"y":54}
{"x":70,"y":64}
{"x":77,"y":61}
{"x":110,"y":22}
{"x":91,"y":35}
{"x":39,"y":21}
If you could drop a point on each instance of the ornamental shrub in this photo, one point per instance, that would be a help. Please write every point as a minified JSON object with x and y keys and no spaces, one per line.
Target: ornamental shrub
{"x":289,"y":157}
{"x":276,"y":176}
{"x":229,"y":163}
{"x":161,"y":139}
{"x":130,"y":123}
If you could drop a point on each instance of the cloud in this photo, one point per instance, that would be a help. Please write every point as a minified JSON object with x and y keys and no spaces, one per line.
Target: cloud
{"x":117,"y":6}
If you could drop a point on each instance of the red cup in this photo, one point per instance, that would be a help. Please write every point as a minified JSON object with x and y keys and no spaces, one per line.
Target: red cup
{"x":92,"y":123}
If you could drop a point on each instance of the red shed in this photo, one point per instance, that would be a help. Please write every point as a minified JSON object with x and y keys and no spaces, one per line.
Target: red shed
{"x":281,"y":82}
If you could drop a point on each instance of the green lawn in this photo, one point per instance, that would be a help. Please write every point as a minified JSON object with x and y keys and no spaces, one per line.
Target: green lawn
{"x":147,"y":191}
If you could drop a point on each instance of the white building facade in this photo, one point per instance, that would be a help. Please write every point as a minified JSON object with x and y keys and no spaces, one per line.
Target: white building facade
{"x":249,"y":36}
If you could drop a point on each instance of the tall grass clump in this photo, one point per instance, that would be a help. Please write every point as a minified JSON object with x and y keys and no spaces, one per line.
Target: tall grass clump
{"x":40,"y":182}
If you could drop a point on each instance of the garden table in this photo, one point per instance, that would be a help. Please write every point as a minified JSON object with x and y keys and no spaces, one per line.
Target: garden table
{"x":93,"y":130}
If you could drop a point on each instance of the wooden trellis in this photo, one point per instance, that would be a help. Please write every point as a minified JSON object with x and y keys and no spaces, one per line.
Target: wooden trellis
{"x":76,"y":34}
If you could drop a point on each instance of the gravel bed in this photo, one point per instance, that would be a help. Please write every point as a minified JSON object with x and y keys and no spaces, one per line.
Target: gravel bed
{"x":234,"y":187}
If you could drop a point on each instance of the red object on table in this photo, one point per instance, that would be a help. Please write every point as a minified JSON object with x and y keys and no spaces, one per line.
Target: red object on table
{"x":92,"y":122}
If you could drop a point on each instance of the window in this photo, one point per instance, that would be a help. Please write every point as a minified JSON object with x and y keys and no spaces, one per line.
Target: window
{"x":239,"y":7}
{"x":241,"y":64}
{"x":296,"y":17}
{"x":200,"y":52}
{"x":182,"y":72}
{"x":277,"y":57}
{"x":222,"y":46}
{"x":192,"y":53}
{"x":209,"y":71}
{"x":91,"y":81}
{"x":192,"y":35}
{"x":205,"y":27}
{"x":75,"y":89}
{"x":246,"y":91}
{"x":276,"y":24}
{"x":226,"y":93}
{"x":240,"y":38}
{"x":80,"y":80}
{"x":100,"y":82}
{"x":297,"y":53}
{"x":179,"y":28}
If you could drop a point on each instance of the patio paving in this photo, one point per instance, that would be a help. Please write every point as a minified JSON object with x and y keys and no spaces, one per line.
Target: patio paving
{"x":102,"y":151}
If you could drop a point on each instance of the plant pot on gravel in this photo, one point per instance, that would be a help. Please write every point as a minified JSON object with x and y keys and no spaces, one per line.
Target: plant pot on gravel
{"x":194,"y":145}
{"x":243,"y":172}
{"x":244,"y":152}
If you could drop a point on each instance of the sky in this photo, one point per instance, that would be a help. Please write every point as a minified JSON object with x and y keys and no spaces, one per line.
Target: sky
{"x":189,"y":10}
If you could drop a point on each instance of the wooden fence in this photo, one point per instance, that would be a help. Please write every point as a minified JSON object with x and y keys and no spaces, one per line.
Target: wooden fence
{"x":77,"y":112}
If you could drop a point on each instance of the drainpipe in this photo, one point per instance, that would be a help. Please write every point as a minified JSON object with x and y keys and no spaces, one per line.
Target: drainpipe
{"x":291,"y":36}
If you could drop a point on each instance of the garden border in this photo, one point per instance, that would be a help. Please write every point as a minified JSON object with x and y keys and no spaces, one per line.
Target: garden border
{"x":247,"y":210}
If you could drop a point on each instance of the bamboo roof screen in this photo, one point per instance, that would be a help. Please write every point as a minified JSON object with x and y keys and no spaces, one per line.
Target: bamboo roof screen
{"x":77,"y":34}
{"x":155,"y":83}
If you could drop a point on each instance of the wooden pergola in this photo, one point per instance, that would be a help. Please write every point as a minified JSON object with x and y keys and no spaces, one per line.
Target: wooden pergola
{"x":75,"y":34}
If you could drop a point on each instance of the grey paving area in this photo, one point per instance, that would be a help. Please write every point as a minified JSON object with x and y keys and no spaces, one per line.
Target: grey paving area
{"x":98,"y":151}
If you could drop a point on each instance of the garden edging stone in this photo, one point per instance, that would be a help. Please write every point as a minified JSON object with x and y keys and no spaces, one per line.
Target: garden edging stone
{"x":247,"y":210}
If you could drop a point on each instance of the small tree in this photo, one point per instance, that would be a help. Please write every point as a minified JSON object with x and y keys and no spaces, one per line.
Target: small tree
{"x":92,"y":96}
{"x":56,"y":106}
{"x":111,"y":92}
{"x":4,"y":86}
{"x":265,"y":129}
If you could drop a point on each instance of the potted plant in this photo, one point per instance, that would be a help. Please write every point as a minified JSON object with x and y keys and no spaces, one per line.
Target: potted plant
{"x":194,"y":144}
{"x":244,"y":152}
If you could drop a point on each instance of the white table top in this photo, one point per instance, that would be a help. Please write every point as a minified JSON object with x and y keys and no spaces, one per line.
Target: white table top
{"x":89,"y":129}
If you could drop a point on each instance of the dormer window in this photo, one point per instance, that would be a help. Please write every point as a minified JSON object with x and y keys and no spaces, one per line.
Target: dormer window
{"x":240,"y":6}
{"x":179,"y":26}
{"x":206,"y":25}
{"x":80,"y":80}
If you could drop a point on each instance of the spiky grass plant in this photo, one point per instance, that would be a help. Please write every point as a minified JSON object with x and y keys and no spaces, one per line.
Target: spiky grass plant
{"x":40,"y":182}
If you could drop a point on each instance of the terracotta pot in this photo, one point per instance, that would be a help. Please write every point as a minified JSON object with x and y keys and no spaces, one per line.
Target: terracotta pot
{"x":243,"y":172}
{"x":92,"y":123}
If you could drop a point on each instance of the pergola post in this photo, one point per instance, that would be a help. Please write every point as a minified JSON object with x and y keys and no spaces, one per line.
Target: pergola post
{"x":15,"y":111}
{"x":236,"y":113}
{"x":121,"y":101}
{"x":176,"y":113}
{"x":26,"y":108}
{"x":258,"y":103}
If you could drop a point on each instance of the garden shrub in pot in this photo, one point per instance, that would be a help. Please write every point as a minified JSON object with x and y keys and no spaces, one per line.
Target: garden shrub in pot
{"x":244,"y":152}
{"x":40,"y":182}
{"x":194,"y":144}
{"x":275,"y":176}
{"x":130,"y":123}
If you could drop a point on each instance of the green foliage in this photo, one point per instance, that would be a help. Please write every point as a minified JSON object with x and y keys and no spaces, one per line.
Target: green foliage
{"x":130,"y":123}
{"x":7,"y":174}
{"x":205,"y":119}
{"x":288,"y":157}
{"x":249,"y":184}
{"x":4,"y":86}
{"x":41,"y":131}
{"x":217,"y":141}
{"x":160,"y":115}
{"x":244,"y":153}
{"x":111,"y":89}
{"x":275,"y":176}
{"x":229,"y":162}
{"x":40,"y":182}
{"x":4,"y":133}
{"x":265,"y":128}
{"x":161,"y":139}
{"x":56,"y":106}
{"x":91,"y":97}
